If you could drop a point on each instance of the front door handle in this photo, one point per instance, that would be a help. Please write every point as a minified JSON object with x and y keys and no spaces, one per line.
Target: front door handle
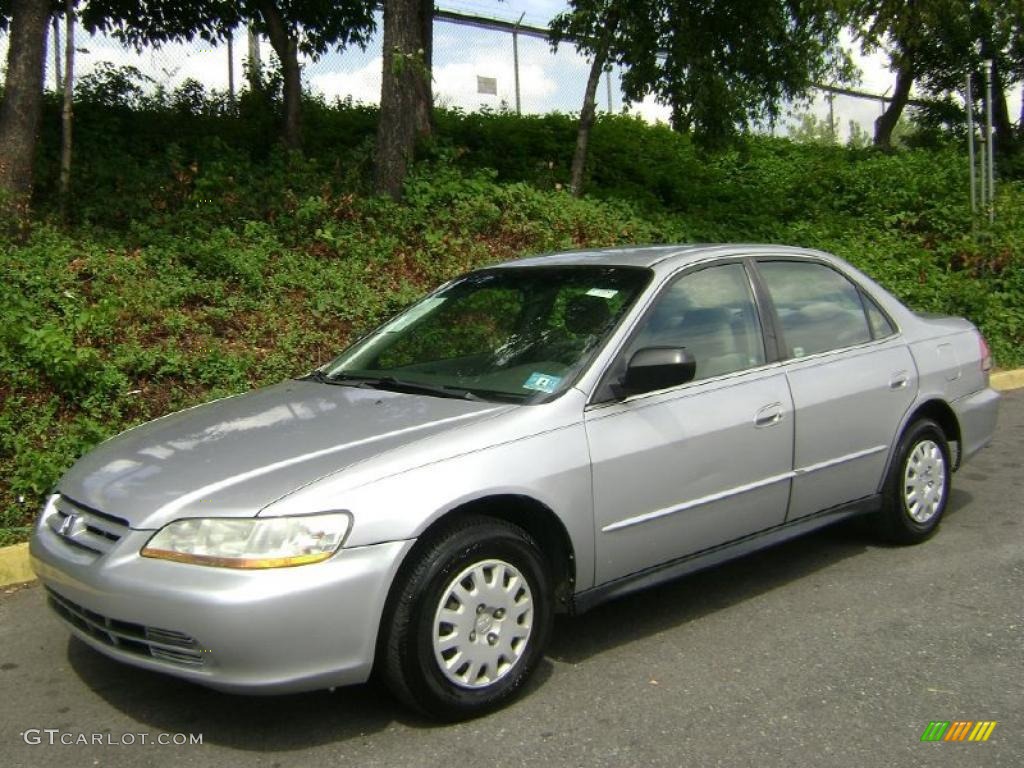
{"x":768,"y":416}
{"x":899,"y":380}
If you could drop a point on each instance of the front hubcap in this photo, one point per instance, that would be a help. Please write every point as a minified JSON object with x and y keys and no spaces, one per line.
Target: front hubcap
{"x":924,"y":481}
{"x":483,"y":623}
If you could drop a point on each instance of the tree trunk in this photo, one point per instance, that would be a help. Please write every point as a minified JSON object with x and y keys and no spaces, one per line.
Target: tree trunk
{"x":406,"y":97}
{"x":287,"y":50}
{"x":1005,"y":139}
{"x":67,"y":113}
{"x":424,"y":87}
{"x":885,"y":124}
{"x":587,"y":114}
{"x":22,"y":103}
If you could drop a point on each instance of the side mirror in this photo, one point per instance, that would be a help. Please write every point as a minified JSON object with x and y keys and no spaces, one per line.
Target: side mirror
{"x":655,"y":368}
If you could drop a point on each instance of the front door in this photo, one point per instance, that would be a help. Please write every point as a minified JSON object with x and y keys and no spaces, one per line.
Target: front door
{"x":684,"y":469}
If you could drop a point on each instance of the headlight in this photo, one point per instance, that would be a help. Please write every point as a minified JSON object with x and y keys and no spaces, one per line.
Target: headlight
{"x":270,"y":542}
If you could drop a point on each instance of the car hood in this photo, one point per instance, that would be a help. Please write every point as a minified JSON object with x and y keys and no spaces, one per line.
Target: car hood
{"x":234,"y":456}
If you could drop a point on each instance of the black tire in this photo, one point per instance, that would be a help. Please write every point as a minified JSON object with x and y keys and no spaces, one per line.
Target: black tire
{"x":406,"y":652}
{"x":896,"y":520}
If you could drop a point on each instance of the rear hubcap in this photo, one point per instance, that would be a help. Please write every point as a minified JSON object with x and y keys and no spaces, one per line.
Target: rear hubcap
{"x":924,"y":481}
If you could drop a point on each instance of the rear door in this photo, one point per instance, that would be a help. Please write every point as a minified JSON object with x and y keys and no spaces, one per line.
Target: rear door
{"x":851,"y":376}
{"x":687,"y":468}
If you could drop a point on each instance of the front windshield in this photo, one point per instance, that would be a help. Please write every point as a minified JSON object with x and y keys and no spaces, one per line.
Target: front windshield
{"x":516,"y":334}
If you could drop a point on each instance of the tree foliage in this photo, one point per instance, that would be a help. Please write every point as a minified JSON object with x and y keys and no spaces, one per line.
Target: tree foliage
{"x":720,"y":64}
{"x":935,"y":44}
{"x":316,"y":25}
{"x":309,"y":27}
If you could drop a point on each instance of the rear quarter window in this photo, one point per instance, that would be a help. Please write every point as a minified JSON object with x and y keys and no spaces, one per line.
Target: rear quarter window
{"x":881,"y":326}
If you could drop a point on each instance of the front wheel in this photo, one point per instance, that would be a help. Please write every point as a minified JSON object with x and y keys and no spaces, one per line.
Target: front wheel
{"x":917,"y":487}
{"x":467,"y":620}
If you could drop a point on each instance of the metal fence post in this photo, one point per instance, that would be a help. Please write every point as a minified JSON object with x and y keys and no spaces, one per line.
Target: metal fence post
{"x":515,"y":61}
{"x":990,"y":140}
{"x":969,"y":104}
{"x":231,"y":67}
{"x":831,"y":117}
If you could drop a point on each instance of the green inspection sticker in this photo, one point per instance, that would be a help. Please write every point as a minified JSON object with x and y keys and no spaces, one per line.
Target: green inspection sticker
{"x":542,"y":382}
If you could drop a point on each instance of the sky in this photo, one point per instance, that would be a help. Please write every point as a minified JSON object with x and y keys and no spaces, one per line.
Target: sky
{"x":548,"y":82}
{"x":535,"y":12}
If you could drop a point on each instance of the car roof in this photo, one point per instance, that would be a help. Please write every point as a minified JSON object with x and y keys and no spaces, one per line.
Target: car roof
{"x":654,"y":255}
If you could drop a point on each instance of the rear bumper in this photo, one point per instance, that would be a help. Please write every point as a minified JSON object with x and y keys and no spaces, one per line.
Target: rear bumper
{"x":976,"y":413}
{"x":271,"y":631}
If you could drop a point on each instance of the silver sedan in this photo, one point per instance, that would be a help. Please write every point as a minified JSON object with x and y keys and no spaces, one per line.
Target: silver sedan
{"x":531,"y":438}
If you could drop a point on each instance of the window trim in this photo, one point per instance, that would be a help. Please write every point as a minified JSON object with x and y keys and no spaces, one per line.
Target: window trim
{"x":784,"y":348}
{"x":602,"y":394}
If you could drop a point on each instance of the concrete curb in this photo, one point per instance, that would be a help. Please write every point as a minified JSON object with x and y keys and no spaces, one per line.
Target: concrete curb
{"x":1007,"y":380}
{"x":14,"y":567}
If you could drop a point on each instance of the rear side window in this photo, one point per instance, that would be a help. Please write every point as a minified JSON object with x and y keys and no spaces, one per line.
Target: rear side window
{"x":820,"y":310}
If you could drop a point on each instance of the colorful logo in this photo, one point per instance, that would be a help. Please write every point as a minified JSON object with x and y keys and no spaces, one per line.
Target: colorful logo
{"x":958,"y":730}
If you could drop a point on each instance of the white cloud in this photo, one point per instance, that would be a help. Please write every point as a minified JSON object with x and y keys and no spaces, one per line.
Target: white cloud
{"x":362,"y":84}
{"x":455,"y":82}
{"x":651,"y":110}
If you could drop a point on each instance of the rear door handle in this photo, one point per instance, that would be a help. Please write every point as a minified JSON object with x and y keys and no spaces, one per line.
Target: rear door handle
{"x":899,"y":380}
{"x":768,"y":416}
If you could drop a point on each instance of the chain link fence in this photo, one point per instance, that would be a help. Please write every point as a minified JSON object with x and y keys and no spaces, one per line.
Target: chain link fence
{"x":479,"y":63}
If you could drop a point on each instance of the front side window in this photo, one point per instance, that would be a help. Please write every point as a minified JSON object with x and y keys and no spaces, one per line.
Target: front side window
{"x":819,"y":309}
{"x":518,"y":334}
{"x":711,"y":313}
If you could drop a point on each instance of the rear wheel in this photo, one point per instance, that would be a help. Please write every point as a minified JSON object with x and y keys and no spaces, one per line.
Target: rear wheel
{"x":467,"y":619}
{"x":917,"y":488}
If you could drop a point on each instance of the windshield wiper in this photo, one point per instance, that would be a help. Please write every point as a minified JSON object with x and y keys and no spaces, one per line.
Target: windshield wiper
{"x":399,"y":385}
{"x":318,"y":375}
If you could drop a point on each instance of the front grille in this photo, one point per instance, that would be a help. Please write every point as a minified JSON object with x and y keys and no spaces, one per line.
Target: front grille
{"x":163,"y":644}
{"x":86,"y":528}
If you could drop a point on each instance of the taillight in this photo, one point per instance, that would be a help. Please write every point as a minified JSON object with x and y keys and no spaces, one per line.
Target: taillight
{"x":986,"y":354}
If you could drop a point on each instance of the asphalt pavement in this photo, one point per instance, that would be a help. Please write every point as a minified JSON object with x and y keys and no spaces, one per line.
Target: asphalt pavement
{"x":833,"y":650}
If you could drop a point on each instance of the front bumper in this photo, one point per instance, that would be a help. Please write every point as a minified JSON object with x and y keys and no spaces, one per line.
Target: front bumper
{"x":278,"y":630}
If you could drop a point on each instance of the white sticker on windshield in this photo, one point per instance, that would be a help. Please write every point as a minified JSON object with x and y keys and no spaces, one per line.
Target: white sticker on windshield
{"x":542,"y":382}
{"x":602,"y":293}
{"x":413,"y":314}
